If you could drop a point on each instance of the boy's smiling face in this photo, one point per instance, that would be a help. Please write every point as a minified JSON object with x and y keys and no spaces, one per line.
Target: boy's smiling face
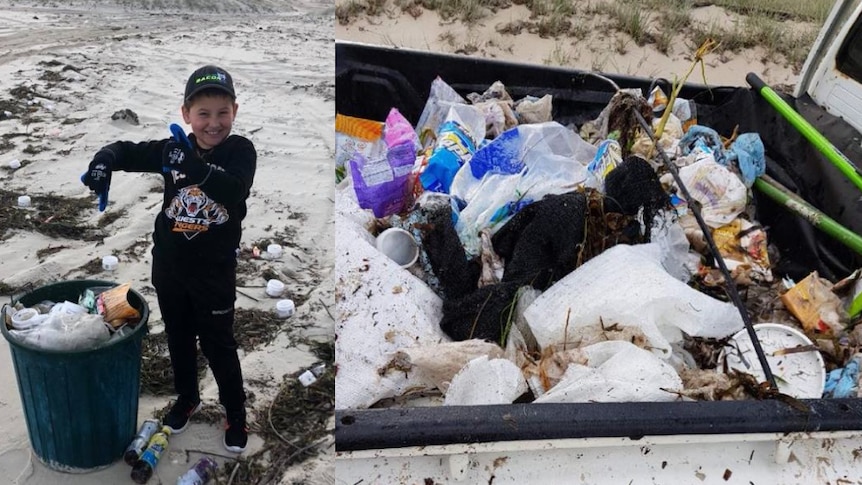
{"x":211,"y":118}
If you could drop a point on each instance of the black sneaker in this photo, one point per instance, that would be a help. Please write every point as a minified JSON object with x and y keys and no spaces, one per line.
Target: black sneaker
{"x":177,"y":418}
{"x":235,"y":432}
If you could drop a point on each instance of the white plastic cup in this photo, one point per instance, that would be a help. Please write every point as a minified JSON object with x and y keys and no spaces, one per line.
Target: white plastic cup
{"x":274,"y":288}
{"x":274,"y":251}
{"x":399,"y":245}
{"x":15,"y":164}
{"x":110,"y":263}
{"x":285,"y":308}
{"x":23,"y":201}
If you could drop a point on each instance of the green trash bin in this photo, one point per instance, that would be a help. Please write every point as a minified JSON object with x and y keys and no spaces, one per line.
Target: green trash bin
{"x":81,"y":407}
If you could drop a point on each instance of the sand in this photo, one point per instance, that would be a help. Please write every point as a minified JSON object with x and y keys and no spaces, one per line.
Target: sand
{"x":603,"y":49}
{"x":125,"y":57}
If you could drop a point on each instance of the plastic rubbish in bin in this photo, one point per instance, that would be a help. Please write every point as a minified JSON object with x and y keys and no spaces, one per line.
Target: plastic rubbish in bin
{"x":355,"y":136}
{"x":457,"y":141}
{"x":66,"y":395}
{"x":748,"y":153}
{"x":743,"y":246}
{"x":64,"y":332}
{"x":440,"y":98}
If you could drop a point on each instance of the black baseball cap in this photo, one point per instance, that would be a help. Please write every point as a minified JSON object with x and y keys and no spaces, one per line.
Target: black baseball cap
{"x":209,"y":77}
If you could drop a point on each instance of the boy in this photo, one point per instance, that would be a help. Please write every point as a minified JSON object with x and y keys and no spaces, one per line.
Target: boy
{"x":196,"y":240}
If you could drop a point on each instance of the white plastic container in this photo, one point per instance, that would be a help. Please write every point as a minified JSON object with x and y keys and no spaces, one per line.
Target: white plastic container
{"x":68,"y":308}
{"x":23,"y":201}
{"x":15,"y":164}
{"x":274,"y":288}
{"x":285,"y":308}
{"x":798,"y":374}
{"x":274,"y":251}
{"x":25,"y":318}
{"x":399,"y":245}
{"x":110,"y":263}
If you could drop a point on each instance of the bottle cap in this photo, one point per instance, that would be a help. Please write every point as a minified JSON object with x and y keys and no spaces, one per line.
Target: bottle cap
{"x":274,"y":251}
{"x":274,"y":288}
{"x":24,"y":201}
{"x":285,"y":308}
{"x":110,"y":263}
{"x":15,"y":164}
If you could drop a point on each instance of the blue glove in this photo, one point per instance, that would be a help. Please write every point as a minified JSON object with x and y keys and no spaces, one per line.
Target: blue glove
{"x":98,"y":176}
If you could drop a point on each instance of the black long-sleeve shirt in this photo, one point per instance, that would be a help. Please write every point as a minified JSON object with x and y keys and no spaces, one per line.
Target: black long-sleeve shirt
{"x":200,"y":220}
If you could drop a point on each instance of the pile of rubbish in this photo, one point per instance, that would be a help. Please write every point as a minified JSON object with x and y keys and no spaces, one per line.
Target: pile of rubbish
{"x":102,"y":315}
{"x":490,"y":255}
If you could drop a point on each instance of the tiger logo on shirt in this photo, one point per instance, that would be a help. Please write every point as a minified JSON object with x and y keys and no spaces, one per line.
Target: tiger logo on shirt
{"x":193,"y":212}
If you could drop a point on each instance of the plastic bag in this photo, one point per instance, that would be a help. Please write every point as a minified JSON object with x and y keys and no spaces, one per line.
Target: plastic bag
{"x":381,"y":184}
{"x":382,"y":308}
{"x":534,"y":110}
{"x":749,"y":154}
{"x":63,"y":331}
{"x":654,"y":301}
{"x":440,"y":99}
{"x":521,"y":166}
{"x":721,"y":194}
{"x":608,"y":156}
{"x":483,"y":381}
{"x":616,"y":371}
{"x":440,"y":362}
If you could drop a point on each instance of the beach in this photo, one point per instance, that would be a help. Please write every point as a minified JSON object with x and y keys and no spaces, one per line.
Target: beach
{"x":77,"y":77}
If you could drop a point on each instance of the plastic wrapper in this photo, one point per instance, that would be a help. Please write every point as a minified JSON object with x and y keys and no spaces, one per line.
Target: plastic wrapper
{"x":608,"y":156}
{"x":741,"y":243}
{"x":457,"y":140}
{"x":814,"y":304}
{"x":721,"y":194}
{"x":355,"y":136}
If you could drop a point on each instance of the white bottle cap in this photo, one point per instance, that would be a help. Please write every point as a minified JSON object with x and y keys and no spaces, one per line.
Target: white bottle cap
{"x":274,"y":288}
{"x":24,"y":201}
{"x":285,"y":308}
{"x":110,"y":263}
{"x":15,"y":164}
{"x":307,"y":378}
{"x":274,"y":251}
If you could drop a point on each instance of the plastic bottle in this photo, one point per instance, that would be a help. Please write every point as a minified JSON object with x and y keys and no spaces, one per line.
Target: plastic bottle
{"x":146,"y":464}
{"x":139,"y":444}
{"x":201,"y":473}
